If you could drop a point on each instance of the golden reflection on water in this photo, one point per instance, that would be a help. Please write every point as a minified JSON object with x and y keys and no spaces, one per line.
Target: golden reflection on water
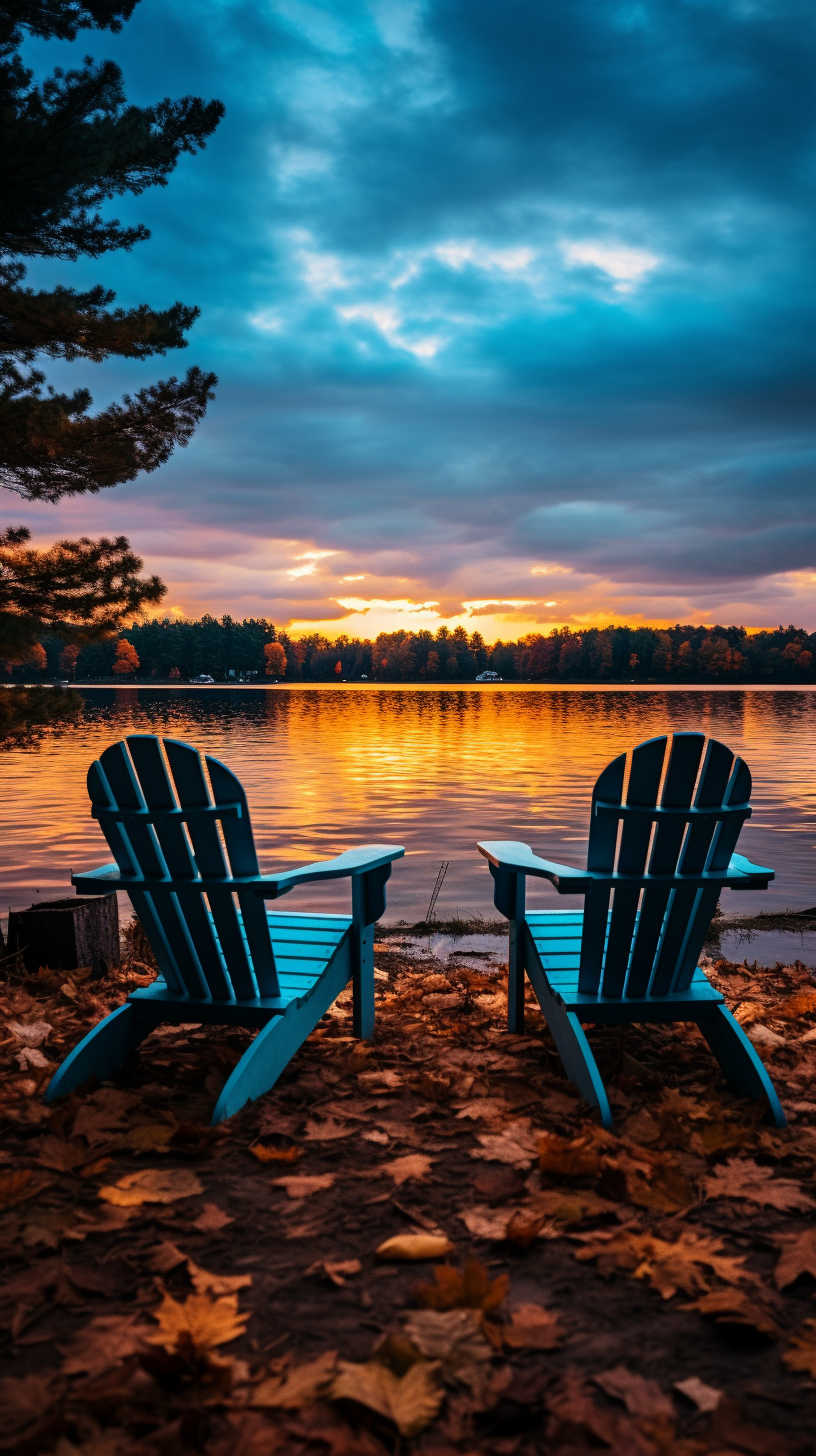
{"x":431,"y":769}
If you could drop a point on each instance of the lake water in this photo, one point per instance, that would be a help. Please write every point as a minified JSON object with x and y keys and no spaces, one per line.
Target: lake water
{"x":434,"y":769}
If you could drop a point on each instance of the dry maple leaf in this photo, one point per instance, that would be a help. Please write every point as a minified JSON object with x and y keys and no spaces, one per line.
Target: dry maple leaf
{"x":410,"y":1248}
{"x":801,"y":1352}
{"x":467,"y":1288}
{"x":275,"y":1147}
{"x":737,"y":1307}
{"x":524,"y":1227}
{"x":578,"y":1158}
{"x":32,"y":1035}
{"x":641,"y":1396}
{"x":798,"y":1256}
{"x":402,"y":1170}
{"x":200,"y":1323}
{"x":103,"y":1343}
{"x":705,"y":1397}
{"x":517,"y":1145}
{"x":411,"y":1401}
{"x":452,"y":1336}
{"x":60,"y":1155}
{"x":668,"y":1267}
{"x":153,"y":1185}
{"x":212,"y":1219}
{"x":380,"y":1081}
{"x":301,"y":1385}
{"x":301,"y":1185}
{"x":743,"y":1178}
{"x":801,"y":1003}
{"x":206,"y":1283}
{"x":532,"y":1327}
{"x":20,"y":1184}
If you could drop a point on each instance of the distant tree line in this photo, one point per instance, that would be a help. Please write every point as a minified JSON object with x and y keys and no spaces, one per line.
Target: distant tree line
{"x":255,"y":651}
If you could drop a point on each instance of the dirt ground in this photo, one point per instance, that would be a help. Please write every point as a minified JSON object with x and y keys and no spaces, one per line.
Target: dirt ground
{"x":423,"y":1243}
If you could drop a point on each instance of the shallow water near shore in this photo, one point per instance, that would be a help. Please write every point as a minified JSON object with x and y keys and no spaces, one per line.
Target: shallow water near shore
{"x":434,"y":770}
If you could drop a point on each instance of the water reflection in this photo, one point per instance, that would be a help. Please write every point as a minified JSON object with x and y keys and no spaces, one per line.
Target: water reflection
{"x":432,"y":769}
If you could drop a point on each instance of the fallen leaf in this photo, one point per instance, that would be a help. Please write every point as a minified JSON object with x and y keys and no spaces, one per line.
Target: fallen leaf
{"x":206,"y":1283}
{"x":667,"y":1266}
{"x":749,"y":1012}
{"x":641,"y":1396}
{"x":743,"y":1178}
{"x":60,"y":1155}
{"x":373,"y":1135}
{"x":452,"y":1336}
{"x":211,"y":1219}
{"x":337,"y":1270}
{"x":200,"y":1323}
{"x":737,"y":1307}
{"x":798,"y":1257}
{"x":532,"y":1327}
{"x":153,"y":1185}
{"x":801,"y":1003}
{"x":439,"y":1002}
{"x":301,"y":1385}
{"x":165,"y":1257}
{"x":578,"y":1158}
{"x":29,"y":1057}
{"x":764,"y":1037}
{"x":801,"y":1352}
{"x":302,"y":1185}
{"x":467,"y":1288}
{"x":411,"y":1401}
{"x":517,"y":1145}
{"x":24,"y":1400}
{"x":413,"y":1166}
{"x":103,"y":1343}
{"x":412,"y":1248}
{"x":484,"y":1222}
{"x":149,"y":1137}
{"x":20,"y":1184}
{"x":32,"y":1035}
{"x":705,"y":1397}
{"x":524,"y":1227}
{"x":379,"y":1081}
{"x":326,"y":1130}
{"x":275,"y":1148}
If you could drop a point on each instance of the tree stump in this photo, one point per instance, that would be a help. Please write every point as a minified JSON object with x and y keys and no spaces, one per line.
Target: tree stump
{"x":82,"y":930}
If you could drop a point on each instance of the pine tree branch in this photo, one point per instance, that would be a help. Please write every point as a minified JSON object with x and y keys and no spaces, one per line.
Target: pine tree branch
{"x":64,"y":323}
{"x":50,"y":448}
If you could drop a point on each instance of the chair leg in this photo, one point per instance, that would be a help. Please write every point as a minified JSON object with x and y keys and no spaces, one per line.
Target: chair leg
{"x":739,"y":1061}
{"x":273,"y":1048}
{"x":569,"y":1037}
{"x":101,"y":1051}
{"x":362,"y":964}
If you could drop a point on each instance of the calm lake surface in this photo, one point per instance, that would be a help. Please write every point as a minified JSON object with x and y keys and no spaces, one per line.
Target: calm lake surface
{"x":434,"y":769}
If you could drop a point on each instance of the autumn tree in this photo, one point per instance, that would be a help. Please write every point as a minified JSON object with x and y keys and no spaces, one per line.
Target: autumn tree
{"x":274,"y":660}
{"x":68,"y":144}
{"x":126,"y":659}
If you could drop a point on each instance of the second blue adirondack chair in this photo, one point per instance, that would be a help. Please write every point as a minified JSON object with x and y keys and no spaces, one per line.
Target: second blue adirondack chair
{"x":223,"y":958}
{"x":679,"y":816}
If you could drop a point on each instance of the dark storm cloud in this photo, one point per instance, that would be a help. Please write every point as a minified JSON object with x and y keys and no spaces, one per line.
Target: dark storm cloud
{"x":518,"y":282}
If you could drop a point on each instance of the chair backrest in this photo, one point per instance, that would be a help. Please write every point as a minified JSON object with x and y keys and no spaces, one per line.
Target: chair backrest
{"x":684,"y":805}
{"x":159,"y":811}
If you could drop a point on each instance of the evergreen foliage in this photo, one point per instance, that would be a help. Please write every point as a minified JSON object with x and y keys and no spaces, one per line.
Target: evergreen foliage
{"x":69,"y":144}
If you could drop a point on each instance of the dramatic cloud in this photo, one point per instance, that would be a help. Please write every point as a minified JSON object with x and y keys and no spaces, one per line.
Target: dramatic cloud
{"x":512,"y":306}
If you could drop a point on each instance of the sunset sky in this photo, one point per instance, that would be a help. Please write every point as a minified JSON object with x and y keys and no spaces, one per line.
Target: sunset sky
{"x":512,"y":306}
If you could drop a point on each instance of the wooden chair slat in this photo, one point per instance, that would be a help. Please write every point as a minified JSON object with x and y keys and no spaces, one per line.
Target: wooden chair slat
{"x":191,"y":787}
{"x":154,"y":780}
{"x":678,"y":788}
{"x":603,"y":839}
{"x":644,"y":782}
{"x":244,"y":861}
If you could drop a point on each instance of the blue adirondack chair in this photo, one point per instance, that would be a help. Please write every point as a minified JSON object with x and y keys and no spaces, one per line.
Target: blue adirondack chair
{"x":679,"y":823}
{"x":219,"y":962}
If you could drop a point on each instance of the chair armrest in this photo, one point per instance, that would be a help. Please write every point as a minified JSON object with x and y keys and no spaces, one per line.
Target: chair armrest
{"x":750,"y":876}
{"x":353,"y":862}
{"x":510,"y":857}
{"x":101,"y":881}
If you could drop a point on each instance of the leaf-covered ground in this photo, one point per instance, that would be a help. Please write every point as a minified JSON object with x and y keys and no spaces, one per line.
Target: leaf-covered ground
{"x":425,"y":1243}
